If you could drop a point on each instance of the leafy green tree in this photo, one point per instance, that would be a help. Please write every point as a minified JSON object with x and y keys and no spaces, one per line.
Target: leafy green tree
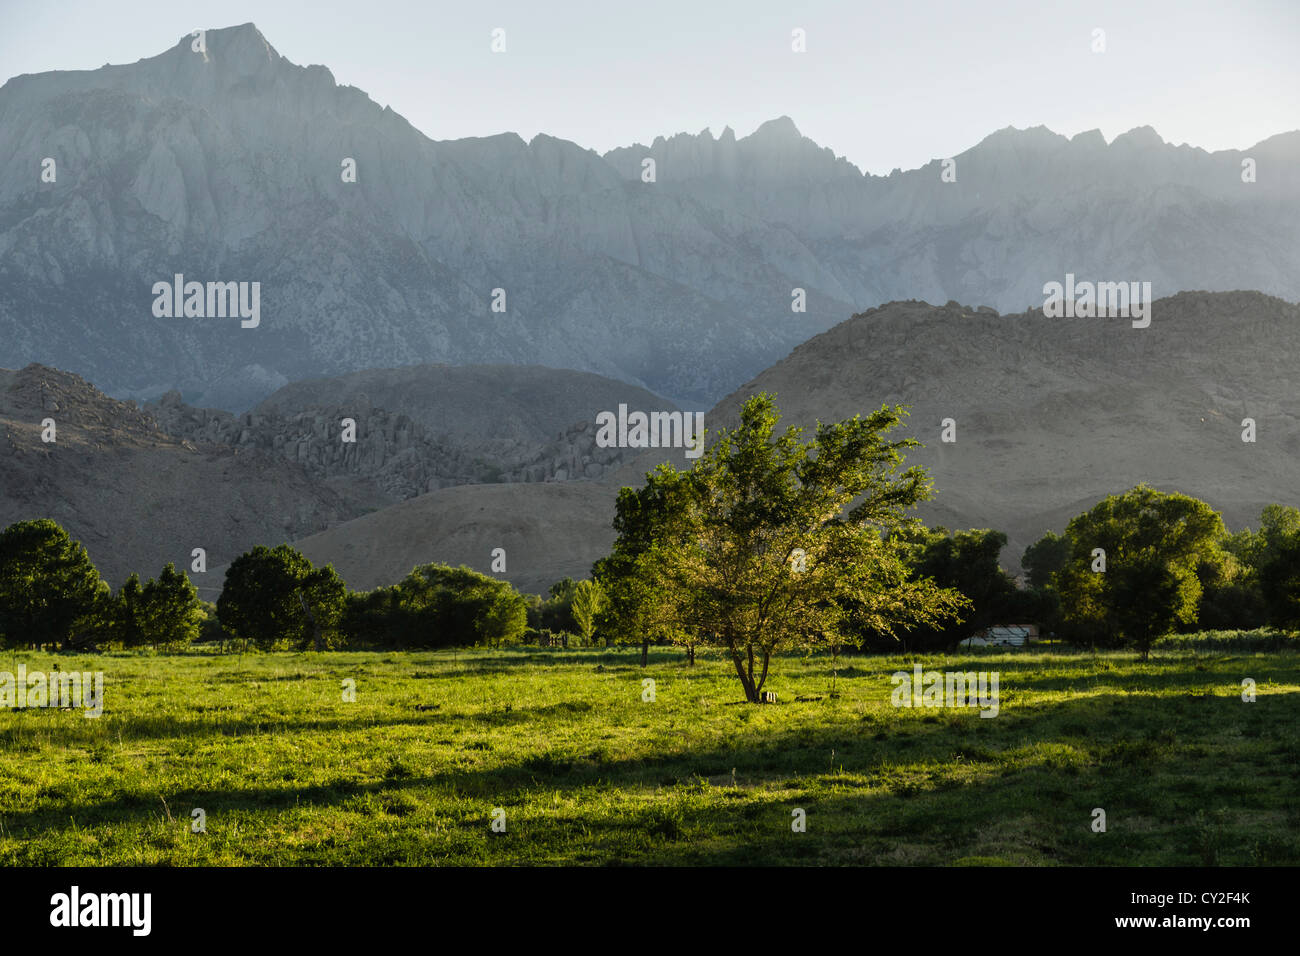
{"x":1230,"y":591}
{"x":556,"y":612}
{"x":1044,"y":559}
{"x":630,"y":614}
{"x":586,"y":605}
{"x":1278,"y":523}
{"x":1154,"y":545}
{"x":210,"y":629}
{"x":768,"y":542}
{"x":165,"y":611}
{"x":50,"y":592}
{"x":440,"y":606}
{"x":1277,"y":562}
{"x":274,"y":594}
{"x":374,"y":618}
{"x":173,"y":613}
{"x":128,"y":615}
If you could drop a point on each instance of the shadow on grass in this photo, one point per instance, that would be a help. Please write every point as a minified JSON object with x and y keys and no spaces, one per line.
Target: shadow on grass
{"x":55,"y":728}
{"x":1020,"y":787}
{"x":1160,"y":674}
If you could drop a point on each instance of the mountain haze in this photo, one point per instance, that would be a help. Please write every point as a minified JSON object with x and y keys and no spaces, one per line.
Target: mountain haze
{"x":225,"y":166}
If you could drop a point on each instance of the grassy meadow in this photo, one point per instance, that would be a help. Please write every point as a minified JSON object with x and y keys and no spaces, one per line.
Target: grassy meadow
{"x":288,"y":772}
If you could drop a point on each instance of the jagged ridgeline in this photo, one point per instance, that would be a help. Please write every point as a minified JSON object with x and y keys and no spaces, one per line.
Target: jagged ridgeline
{"x":231,"y":166}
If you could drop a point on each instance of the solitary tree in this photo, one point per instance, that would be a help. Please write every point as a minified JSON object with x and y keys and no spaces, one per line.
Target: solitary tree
{"x":768,"y":542}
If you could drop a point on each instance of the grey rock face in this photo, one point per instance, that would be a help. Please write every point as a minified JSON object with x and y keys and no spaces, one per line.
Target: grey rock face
{"x":402,"y":455}
{"x":227,"y":166}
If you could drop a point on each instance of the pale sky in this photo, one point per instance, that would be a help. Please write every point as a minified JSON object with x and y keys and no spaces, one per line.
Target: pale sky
{"x":888,"y":85}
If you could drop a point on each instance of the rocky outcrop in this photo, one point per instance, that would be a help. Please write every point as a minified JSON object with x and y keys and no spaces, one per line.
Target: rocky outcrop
{"x":390,"y":449}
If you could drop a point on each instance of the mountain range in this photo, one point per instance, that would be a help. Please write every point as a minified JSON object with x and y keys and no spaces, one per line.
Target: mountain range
{"x":229,"y":165}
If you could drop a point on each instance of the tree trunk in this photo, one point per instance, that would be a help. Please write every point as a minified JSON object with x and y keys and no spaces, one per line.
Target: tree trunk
{"x":690,"y":654}
{"x":645,"y":652}
{"x":763,"y":678}
{"x":746,"y":679}
{"x":311,"y":619}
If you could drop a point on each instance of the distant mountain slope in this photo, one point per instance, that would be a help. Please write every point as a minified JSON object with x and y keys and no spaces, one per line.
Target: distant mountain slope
{"x":1051,"y":415}
{"x":548,"y":532}
{"x":141,"y":486}
{"x":227,"y":166}
{"x":424,"y":427}
{"x":525,"y":403}
{"x":139,"y":498}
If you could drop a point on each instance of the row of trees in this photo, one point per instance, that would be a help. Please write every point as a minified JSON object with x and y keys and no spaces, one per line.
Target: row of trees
{"x":771,"y":542}
{"x":570,"y":609}
{"x":52,"y":594}
{"x":1147,"y":563}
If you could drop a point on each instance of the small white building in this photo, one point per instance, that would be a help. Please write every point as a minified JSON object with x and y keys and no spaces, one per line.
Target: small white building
{"x":1003,"y":635}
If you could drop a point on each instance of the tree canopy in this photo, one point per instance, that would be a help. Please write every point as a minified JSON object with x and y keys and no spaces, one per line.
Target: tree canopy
{"x":770,"y":542}
{"x":273,"y":594}
{"x":1153,"y":545}
{"x":50,"y":591}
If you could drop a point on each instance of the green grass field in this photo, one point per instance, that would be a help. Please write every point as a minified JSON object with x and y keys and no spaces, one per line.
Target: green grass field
{"x":287,"y":772}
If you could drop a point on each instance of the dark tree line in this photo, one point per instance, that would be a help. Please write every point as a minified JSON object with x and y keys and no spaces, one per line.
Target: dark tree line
{"x":51,"y":594}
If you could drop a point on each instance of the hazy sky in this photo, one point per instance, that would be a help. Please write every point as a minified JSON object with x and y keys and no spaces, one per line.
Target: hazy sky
{"x":885,"y":84}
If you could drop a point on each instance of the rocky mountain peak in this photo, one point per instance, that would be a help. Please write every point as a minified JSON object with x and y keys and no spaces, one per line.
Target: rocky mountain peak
{"x":1140,"y":137}
{"x":778,"y":130}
